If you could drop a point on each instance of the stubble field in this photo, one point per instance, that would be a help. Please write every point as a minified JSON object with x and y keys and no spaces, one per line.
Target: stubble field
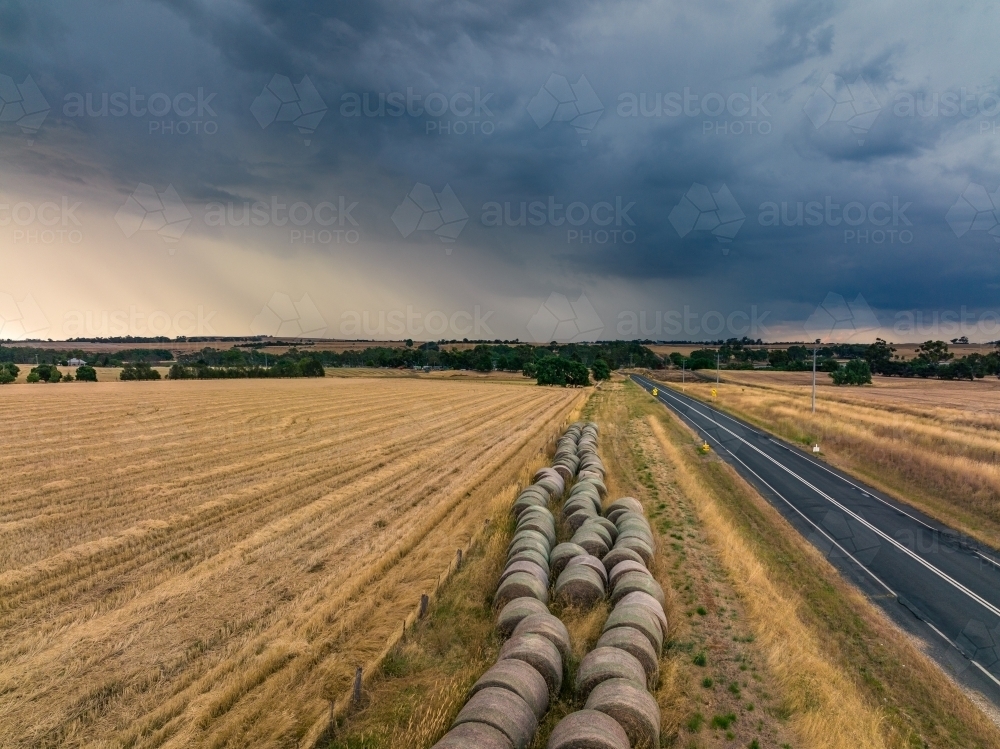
{"x":198,"y":564}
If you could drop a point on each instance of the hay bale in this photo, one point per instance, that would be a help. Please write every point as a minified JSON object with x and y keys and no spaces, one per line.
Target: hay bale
{"x":561,"y":555}
{"x":523,"y":566}
{"x":542,"y":525}
{"x":588,"y":729}
{"x":591,"y":541}
{"x":635,"y":643}
{"x":549,"y":627}
{"x":529,"y":540}
{"x":638,"y":618}
{"x":593,"y":562}
{"x":526,"y":501}
{"x":636,"y":581}
{"x":632,"y":707}
{"x":503,"y":710}
{"x":565,"y":472}
{"x":518,"y":585}
{"x":644,"y":550}
{"x":593,"y":526}
{"x":627,"y":566}
{"x":642,"y":534}
{"x":619,"y":554}
{"x":644,"y":599}
{"x":610,"y":527}
{"x":624,"y":503}
{"x":520,"y":678}
{"x":580,"y":586}
{"x":603,"y":663}
{"x":529,"y":555}
{"x":515,"y":611}
{"x":579,"y":518}
{"x":586,"y":492}
{"x":539,"y":652}
{"x":582,"y":501}
{"x":474,"y":736}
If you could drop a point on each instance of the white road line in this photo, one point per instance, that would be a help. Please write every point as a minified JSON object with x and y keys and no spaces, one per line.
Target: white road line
{"x":944,"y":576}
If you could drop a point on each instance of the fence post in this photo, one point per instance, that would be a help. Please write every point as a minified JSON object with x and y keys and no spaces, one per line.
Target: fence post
{"x":424,"y":601}
{"x":356,"y":697}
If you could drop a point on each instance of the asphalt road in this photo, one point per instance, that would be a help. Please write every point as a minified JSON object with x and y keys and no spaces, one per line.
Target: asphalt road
{"x":933,"y":582}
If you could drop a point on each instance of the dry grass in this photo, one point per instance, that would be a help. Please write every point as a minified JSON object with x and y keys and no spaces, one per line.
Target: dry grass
{"x":851,"y":678}
{"x":204,"y":563}
{"x":934,"y":444}
{"x":827,"y":712}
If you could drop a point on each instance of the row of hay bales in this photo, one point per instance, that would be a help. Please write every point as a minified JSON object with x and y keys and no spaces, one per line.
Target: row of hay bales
{"x":507,"y":702}
{"x":615,"y":677}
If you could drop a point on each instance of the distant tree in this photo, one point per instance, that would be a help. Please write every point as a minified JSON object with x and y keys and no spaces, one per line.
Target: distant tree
{"x":45,"y":373}
{"x":878,"y":355}
{"x":86,"y":374}
{"x":962,"y":339}
{"x":933,"y":352}
{"x":554,"y":370}
{"x":409,"y":343}
{"x":482,"y":359}
{"x":856,"y":372}
{"x":8,"y":373}
{"x":828,"y":365}
{"x":138,"y":371}
{"x":311,"y":367}
{"x":601,"y":370}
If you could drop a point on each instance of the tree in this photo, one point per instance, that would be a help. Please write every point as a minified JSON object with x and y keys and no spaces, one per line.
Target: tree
{"x":312,"y":367}
{"x":482,"y":359}
{"x":86,"y":374}
{"x":8,"y":373}
{"x":554,"y":370}
{"x":933,"y":352}
{"x":138,"y":371}
{"x":829,"y":365}
{"x":45,"y":373}
{"x":601,"y":370}
{"x":856,"y":372}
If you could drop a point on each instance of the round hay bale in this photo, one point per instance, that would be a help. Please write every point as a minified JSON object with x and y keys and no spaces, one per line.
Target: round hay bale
{"x":549,"y":627}
{"x":474,"y":736}
{"x":529,"y":555}
{"x":554,"y":485}
{"x":588,"y":492}
{"x":592,"y":562}
{"x":630,"y":582}
{"x":638,"y":618}
{"x":625,"y":503}
{"x":525,"y":501}
{"x":644,"y":599}
{"x":619,"y":554}
{"x":561,"y":555}
{"x":540,"y":525}
{"x":544,"y":512}
{"x":622,"y":567}
{"x":530,"y":567}
{"x":632,"y":707}
{"x":629,"y":520}
{"x":593,"y":526}
{"x":604,"y":663}
{"x":610,"y":527}
{"x":634,"y":530}
{"x":584,"y":500}
{"x":518,"y":585}
{"x":590,"y":541}
{"x":529,"y":540}
{"x":539,"y":652}
{"x":578,"y":518}
{"x":520,"y":678}
{"x":503,"y":710}
{"x":515,"y":611}
{"x":580,"y":586}
{"x":588,"y":729}
{"x":633,"y":642}
{"x":543,"y":472}
{"x":565,"y":472}
{"x":644,"y":550}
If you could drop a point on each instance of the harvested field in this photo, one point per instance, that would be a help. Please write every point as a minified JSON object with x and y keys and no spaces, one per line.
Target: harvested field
{"x":194,"y":564}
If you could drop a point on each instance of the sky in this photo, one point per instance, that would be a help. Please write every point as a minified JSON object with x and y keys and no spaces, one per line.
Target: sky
{"x":509,"y":170}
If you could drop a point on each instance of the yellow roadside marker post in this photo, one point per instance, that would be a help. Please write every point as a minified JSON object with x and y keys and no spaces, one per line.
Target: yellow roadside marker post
{"x":655,"y":392}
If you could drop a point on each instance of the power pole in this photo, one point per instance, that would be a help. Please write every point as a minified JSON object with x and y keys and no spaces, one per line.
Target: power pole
{"x":815,"y":348}
{"x":682,"y":371}
{"x":716,"y":367}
